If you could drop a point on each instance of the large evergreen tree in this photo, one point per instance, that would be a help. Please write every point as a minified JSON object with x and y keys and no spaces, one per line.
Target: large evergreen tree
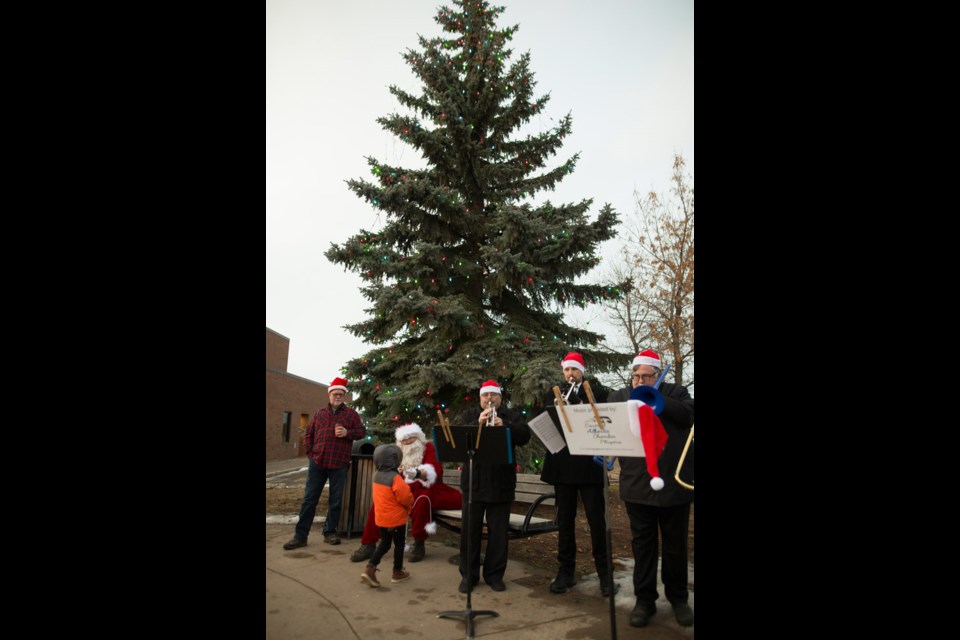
{"x":467,"y":280}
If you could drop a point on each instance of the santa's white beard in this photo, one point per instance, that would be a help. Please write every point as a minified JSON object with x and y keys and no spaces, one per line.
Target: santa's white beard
{"x":412,"y":454}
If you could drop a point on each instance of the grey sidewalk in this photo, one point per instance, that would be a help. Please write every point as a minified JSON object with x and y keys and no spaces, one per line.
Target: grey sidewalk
{"x":278,"y":467}
{"x":316,"y":591}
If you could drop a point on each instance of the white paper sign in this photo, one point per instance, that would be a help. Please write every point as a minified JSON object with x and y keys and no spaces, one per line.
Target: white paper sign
{"x":619,"y":437}
{"x":544,"y":429}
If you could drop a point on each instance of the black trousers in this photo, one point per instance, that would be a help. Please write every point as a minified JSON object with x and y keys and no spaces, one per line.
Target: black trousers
{"x":495,"y":560}
{"x":592,"y":496}
{"x":388,"y":535}
{"x":673,"y":523}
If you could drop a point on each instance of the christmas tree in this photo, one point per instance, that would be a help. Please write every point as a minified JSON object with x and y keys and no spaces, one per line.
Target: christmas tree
{"x":467,"y":277}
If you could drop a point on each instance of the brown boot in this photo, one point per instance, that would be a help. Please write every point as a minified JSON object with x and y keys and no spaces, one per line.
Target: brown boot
{"x":400,"y":576}
{"x":418,"y":550}
{"x":369,"y":576}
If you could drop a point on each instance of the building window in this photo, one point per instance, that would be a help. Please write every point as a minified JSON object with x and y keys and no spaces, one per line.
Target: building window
{"x":286,"y":426}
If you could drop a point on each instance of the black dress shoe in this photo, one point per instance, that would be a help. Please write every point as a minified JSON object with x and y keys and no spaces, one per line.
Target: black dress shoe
{"x":465,"y":585}
{"x":497,"y":585}
{"x":561,"y":583}
{"x":605,"y":589}
{"x":641,"y":615}
{"x":294,"y":543}
{"x":684,"y":614}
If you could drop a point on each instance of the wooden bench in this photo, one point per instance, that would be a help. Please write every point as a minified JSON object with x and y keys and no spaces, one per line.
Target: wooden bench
{"x":530,"y":490}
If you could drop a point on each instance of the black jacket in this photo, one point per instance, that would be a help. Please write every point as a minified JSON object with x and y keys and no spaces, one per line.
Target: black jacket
{"x":494,"y":482}
{"x":561,"y":467}
{"x":677,"y":418}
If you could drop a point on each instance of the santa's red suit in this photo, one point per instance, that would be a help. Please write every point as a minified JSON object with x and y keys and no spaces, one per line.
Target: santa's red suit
{"x":428,"y":495}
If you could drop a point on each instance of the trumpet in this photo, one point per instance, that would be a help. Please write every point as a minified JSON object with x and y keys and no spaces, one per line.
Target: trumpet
{"x":491,"y":419}
{"x":683,"y":456}
{"x":566,"y":398}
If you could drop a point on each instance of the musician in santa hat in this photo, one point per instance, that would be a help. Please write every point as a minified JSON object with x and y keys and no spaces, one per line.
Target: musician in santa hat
{"x":653,"y":498}
{"x":424,"y":474}
{"x":576,"y":479}
{"x":494,"y":489}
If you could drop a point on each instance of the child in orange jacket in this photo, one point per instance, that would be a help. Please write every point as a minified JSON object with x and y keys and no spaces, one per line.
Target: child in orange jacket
{"x":392,"y":501}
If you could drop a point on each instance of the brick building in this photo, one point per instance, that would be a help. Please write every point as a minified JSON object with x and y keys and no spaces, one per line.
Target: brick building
{"x":291,"y":401}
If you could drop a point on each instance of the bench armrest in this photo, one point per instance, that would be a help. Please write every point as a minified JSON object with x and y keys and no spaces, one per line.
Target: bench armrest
{"x":533,"y":507}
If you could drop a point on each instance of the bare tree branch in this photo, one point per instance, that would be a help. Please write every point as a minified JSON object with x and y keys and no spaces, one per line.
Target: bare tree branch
{"x":658,"y":309}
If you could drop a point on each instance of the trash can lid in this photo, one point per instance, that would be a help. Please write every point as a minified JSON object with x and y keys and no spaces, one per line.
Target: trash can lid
{"x":363,"y":447}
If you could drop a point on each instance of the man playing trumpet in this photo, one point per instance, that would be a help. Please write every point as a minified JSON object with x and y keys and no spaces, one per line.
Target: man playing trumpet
{"x":494,"y":487}
{"x":572,"y":475}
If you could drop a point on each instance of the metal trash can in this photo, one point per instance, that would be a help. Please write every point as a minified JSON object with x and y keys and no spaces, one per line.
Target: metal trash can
{"x":358,"y":489}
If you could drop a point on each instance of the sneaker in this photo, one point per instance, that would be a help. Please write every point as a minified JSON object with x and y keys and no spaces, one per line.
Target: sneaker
{"x":400,"y":576}
{"x":641,"y":614}
{"x":562,"y":582}
{"x":294,"y":543}
{"x":331,"y":539}
{"x":365,"y":552}
{"x":684,"y":614}
{"x":369,"y":576}
{"x":418,"y":551}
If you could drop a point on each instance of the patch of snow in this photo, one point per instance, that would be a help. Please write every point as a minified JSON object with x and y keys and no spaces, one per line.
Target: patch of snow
{"x":288,"y":519}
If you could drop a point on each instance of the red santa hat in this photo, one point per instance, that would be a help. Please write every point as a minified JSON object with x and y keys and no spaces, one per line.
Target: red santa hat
{"x":338,"y":383}
{"x":647,"y":357}
{"x":408,"y":430}
{"x":654,"y":438}
{"x":575,"y":360}
{"x":490,"y":386}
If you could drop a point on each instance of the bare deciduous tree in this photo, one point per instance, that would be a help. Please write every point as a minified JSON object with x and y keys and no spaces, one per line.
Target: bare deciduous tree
{"x":658,"y":311}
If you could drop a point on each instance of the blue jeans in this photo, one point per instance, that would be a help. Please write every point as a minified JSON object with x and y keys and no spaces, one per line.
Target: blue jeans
{"x":316,"y":478}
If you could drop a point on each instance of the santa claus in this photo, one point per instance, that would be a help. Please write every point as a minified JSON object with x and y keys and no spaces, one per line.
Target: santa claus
{"x":424,"y":473}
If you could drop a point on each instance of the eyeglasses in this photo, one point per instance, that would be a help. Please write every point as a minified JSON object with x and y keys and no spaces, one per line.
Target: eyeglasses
{"x":644,"y":376}
{"x":337,"y":395}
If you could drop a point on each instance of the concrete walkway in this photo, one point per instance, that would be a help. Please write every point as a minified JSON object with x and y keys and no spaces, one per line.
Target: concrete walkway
{"x":316,"y":591}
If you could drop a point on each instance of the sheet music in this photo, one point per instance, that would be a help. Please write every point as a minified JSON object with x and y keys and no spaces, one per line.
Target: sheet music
{"x":544,"y":428}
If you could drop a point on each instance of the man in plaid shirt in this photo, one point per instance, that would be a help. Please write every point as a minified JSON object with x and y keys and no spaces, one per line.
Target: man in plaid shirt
{"x":328,"y":442}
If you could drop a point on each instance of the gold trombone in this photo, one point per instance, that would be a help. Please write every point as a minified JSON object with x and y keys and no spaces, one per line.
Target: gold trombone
{"x":683,"y":456}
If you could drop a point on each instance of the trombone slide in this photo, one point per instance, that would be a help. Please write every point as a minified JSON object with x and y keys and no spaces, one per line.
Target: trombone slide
{"x":683,"y":456}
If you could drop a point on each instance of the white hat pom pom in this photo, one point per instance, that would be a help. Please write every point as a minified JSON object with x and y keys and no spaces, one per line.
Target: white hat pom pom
{"x":656,"y":483}
{"x":431,"y":528}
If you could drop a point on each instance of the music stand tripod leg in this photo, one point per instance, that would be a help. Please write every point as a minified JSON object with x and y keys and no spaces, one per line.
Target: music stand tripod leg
{"x":611,"y":583}
{"x":468,"y":614}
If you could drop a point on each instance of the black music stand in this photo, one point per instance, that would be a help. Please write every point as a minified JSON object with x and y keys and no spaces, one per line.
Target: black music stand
{"x":611,"y":585}
{"x":495,"y":448}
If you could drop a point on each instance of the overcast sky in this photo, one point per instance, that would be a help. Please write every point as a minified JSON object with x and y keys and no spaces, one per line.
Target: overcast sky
{"x":622,"y":68}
